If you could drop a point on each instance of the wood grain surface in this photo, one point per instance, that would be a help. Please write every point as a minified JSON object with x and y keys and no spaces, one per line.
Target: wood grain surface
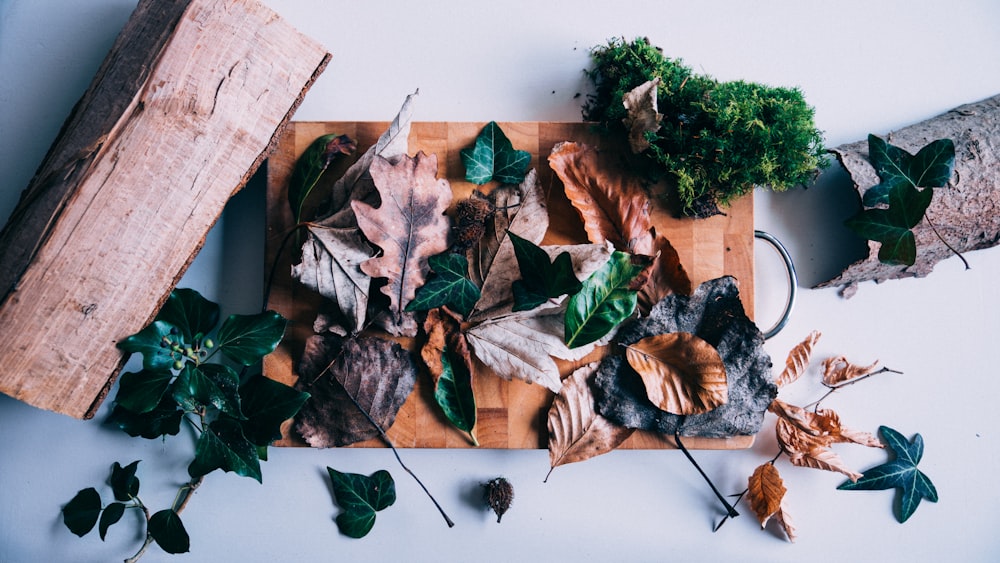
{"x":511,"y":414}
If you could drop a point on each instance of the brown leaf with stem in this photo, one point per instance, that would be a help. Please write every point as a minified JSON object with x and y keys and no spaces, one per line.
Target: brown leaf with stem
{"x":838,"y":371}
{"x":798,"y":360}
{"x":823,"y":423}
{"x":765,"y":492}
{"x":682,"y":373}
{"x":641,"y":117}
{"x":808,"y":450}
{"x":576,"y":431}
{"x":409,"y":226}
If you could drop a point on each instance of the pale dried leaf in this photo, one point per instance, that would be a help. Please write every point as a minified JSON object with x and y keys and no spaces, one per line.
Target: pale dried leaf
{"x":666,"y":276}
{"x":798,"y":360}
{"x":683,"y":374}
{"x":331,"y":260}
{"x":576,"y":431}
{"x":837,"y":370}
{"x":409,"y":226}
{"x":785,"y":521}
{"x":641,"y":117}
{"x":809,"y":450}
{"x":765,"y":492}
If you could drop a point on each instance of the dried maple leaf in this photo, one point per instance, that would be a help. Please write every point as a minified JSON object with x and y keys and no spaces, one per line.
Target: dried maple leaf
{"x":576,"y":431}
{"x":837,"y":371}
{"x":765,"y":492}
{"x":798,"y":360}
{"x":682,"y":373}
{"x":642,"y":117}
{"x":409,"y":226}
{"x":378,"y":374}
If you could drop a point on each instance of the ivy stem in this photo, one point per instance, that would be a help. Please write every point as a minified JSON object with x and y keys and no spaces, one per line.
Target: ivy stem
{"x":277,"y":258}
{"x":149,"y":537}
{"x":730,"y":510}
{"x":941,"y":238}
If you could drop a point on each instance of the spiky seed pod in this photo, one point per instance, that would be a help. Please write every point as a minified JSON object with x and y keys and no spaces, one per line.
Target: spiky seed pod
{"x":499,"y":495}
{"x":470,"y":217}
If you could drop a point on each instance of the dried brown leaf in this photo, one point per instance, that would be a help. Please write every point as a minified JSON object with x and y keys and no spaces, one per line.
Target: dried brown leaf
{"x":409,"y":226}
{"x":765,"y":492}
{"x":642,"y":117}
{"x":798,"y":360}
{"x":682,"y":373}
{"x":805,"y":449}
{"x":576,"y":431}
{"x":823,"y":424}
{"x":785,"y":521}
{"x":443,"y":332}
{"x":666,"y":276}
{"x":837,"y":370}
{"x":379,"y":374}
{"x":331,"y":259}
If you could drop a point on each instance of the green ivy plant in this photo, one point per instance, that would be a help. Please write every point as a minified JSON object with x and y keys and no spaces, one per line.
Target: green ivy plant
{"x":234,"y":418}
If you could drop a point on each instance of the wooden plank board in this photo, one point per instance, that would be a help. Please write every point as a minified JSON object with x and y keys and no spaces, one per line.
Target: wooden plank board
{"x":185,"y":107}
{"x":510,"y":414}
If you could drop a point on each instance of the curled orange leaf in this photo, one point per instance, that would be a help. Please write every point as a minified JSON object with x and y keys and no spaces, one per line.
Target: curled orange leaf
{"x":838,"y":371}
{"x":798,"y":360}
{"x":683,"y":374}
{"x":765,"y":491}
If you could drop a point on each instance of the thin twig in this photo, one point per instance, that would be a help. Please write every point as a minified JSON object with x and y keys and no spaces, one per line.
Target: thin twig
{"x":730,"y":511}
{"x":274,"y":263}
{"x":957,"y":253}
{"x":831,"y":389}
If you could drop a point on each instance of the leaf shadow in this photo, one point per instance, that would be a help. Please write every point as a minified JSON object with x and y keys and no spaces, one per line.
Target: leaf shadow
{"x":473,"y":496}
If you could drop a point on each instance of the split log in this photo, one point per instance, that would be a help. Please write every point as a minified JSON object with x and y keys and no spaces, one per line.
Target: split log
{"x":190,"y":100}
{"x":966,"y":213}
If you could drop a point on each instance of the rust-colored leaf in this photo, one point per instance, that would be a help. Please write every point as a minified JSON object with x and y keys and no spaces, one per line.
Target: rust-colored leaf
{"x":613,"y":205}
{"x":798,"y":360}
{"x":666,"y":276}
{"x":443,"y":332}
{"x":806,"y":450}
{"x":823,"y":424}
{"x":682,"y":373}
{"x":765,"y":491}
{"x":576,"y":431}
{"x":837,"y":370}
{"x":641,"y":117}
{"x":409,"y":226}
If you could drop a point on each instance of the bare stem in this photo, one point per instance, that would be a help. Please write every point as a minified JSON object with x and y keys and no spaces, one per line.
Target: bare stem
{"x":957,"y":253}
{"x":730,"y":511}
{"x":831,"y":389}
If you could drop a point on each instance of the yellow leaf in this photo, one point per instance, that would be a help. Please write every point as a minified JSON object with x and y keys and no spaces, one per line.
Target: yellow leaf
{"x":765,"y":491}
{"x":798,"y":360}
{"x":682,"y":373}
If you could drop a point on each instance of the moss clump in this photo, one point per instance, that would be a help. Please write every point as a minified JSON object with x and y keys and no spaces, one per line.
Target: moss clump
{"x":718,"y":140}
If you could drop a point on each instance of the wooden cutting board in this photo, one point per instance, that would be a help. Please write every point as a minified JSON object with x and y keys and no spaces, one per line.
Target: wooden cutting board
{"x":510,"y":414}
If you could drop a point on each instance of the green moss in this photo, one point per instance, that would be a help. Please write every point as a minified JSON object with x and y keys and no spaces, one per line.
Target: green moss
{"x":717,"y":140}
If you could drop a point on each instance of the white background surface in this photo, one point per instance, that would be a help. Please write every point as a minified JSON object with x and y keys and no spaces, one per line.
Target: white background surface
{"x":865,"y":66}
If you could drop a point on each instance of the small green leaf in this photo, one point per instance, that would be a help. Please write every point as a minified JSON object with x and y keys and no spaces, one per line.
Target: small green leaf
{"x":111,"y":515}
{"x":454,"y":394}
{"x":208,"y":385}
{"x":266,"y":405}
{"x":892,"y":226}
{"x":448,"y":285}
{"x":167,"y":529}
{"x":606,"y":299}
{"x":931,"y":167}
{"x":222,"y":445}
{"x":124,"y":483}
{"x":164,"y":420}
{"x":900,"y":473}
{"x":80,"y":514}
{"x":140,"y":392}
{"x":311,"y":166}
{"x":187,"y":310}
{"x":246,"y":339}
{"x":153,"y":342}
{"x":361,"y":497}
{"x":493,"y":157}
{"x":541,"y":278}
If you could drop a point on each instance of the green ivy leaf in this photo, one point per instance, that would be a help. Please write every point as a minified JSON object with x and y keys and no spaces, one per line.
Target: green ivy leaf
{"x":267,"y":404}
{"x":246,"y":339}
{"x":900,"y":473}
{"x":311,"y":165}
{"x":124,"y":483}
{"x":208,"y":385}
{"x":892,"y":226}
{"x":541,"y":278}
{"x":453,"y":393}
{"x":164,"y":420}
{"x":931,"y":167}
{"x":80,"y":514}
{"x":606,"y":299}
{"x":361,"y":497}
{"x":493,"y":157}
{"x":448,"y":285}
{"x":151,"y":342}
{"x":111,"y":515}
{"x":222,"y":445}
{"x":191,"y":313}
{"x":167,"y":529}
{"x":140,"y":392}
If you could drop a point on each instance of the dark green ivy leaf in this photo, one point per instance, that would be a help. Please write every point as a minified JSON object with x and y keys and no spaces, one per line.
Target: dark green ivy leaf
{"x":448,"y":285}
{"x":191,"y":313}
{"x":931,"y":167}
{"x":246,"y":339}
{"x":208,"y":385}
{"x":164,"y":420}
{"x":140,"y":392}
{"x":892,"y":226}
{"x":541,"y":279}
{"x":493,"y":157}
{"x":167,"y":529}
{"x":222,"y":445}
{"x":111,"y":515}
{"x":311,"y":165}
{"x":454,"y":395}
{"x":80,"y":514}
{"x":361,"y":497}
{"x":900,"y":473}
{"x":607,"y":298}
{"x":267,"y":404}
{"x":153,"y":343}
{"x":124,"y":483}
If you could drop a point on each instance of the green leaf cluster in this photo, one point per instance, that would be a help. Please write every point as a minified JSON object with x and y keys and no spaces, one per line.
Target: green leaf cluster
{"x":899,"y":202}
{"x":717,"y":140}
{"x":360,"y":497}
{"x":493,"y":157}
{"x":448,"y":285}
{"x":541,"y":279}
